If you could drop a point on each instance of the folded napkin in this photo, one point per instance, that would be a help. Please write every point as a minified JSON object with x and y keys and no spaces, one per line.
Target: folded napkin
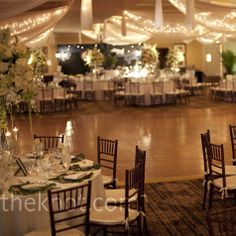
{"x":86,"y":163}
{"x":73,"y":178}
{"x":78,"y":167}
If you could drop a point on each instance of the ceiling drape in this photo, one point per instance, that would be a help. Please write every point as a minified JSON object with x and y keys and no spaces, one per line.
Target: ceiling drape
{"x":10,"y":8}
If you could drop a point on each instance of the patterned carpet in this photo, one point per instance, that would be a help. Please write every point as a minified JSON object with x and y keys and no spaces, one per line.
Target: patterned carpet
{"x":175,"y":208}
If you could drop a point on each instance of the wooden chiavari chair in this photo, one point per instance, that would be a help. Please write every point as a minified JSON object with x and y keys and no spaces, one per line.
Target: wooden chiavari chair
{"x":107,"y":158}
{"x":118,"y":215}
{"x":50,"y":141}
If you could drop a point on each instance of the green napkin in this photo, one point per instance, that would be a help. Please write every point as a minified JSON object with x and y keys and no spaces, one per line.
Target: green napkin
{"x":18,"y":190}
{"x":79,"y":157}
{"x":77,"y":167}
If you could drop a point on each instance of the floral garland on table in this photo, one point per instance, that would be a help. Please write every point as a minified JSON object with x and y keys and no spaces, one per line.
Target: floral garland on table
{"x":16,"y":76}
{"x":149,"y":55}
{"x":93,"y":57}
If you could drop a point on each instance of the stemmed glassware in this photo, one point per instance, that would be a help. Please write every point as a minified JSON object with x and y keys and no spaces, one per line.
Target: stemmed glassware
{"x":66,"y":158}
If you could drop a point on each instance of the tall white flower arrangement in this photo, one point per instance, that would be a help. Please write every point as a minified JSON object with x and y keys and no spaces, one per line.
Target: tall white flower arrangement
{"x":16,"y":75}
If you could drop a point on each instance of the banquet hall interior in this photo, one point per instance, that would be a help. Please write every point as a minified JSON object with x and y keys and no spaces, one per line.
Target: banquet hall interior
{"x":131,"y":101}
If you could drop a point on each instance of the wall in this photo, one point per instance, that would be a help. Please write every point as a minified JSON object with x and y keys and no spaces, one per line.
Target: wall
{"x":194,"y":55}
{"x":214,"y":67}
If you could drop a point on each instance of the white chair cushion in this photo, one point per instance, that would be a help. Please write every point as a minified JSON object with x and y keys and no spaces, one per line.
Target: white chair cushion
{"x":114,"y":196}
{"x":230,"y":182}
{"x":47,"y":232}
{"x":107,"y":179}
{"x":111,"y":215}
{"x":121,"y":93}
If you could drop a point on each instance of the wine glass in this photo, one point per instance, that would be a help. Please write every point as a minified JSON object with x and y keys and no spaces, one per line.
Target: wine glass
{"x":66,"y":159}
{"x":44,"y":167}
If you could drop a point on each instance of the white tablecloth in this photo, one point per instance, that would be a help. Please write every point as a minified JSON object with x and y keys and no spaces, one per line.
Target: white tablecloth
{"x":16,"y":219}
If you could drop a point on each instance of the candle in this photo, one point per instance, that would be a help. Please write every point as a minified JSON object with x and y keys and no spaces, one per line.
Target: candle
{"x":15,"y":130}
{"x":8,"y":134}
{"x":8,"y":137}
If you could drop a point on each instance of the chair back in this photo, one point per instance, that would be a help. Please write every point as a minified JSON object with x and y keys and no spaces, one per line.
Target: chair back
{"x":50,"y":141}
{"x":133,"y":187}
{"x":216,"y":162}
{"x":59,"y":93}
{"x":134,"y":87}
{"x":110,"y":85}
{"x":158,"y":87}
{"x":47,"y":94}
{"x":140,"y":157}
{"x":169,"y":86}
{"x":119,"y":85}
{"x":107,"y":154}
{"x":205,"y":140}
{"x":232,"y":131}
{"x":222,"y":222}
{"x":70,"y":204}
{"x":88,"y":85}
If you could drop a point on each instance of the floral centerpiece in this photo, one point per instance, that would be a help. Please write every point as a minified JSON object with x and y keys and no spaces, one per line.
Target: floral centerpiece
{"x":150,"y":57}
{"x":16,"y":77}
{"x":175,"y":58}
{"x":38,"y":63}
{"x":93,"y":57}
{"x":172,"y":58}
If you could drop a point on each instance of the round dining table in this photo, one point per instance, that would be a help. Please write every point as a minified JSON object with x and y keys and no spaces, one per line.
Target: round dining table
{"x":20,"y":214}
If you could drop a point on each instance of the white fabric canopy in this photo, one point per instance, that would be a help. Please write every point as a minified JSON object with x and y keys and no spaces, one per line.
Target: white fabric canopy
{"x":29,"y":26}
{"x":10,"y":8}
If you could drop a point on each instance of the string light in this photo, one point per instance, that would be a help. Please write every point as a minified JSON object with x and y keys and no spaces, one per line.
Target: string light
{"x":31,"y":23}
{"x":41,"y":37}
{"x":211,"y":20}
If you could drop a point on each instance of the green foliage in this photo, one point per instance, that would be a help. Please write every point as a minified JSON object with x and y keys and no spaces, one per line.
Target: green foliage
{"x":228,"y":60}
{"x":110,"y":61}
{"x":3,"y":117}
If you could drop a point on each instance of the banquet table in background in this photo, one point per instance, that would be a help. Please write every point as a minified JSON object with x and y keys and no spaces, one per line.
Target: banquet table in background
{"x":146,"y":88}
{"x":16,"y":219}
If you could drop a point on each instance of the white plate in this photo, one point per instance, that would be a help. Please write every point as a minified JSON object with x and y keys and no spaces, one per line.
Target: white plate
{"x":33,"y":186}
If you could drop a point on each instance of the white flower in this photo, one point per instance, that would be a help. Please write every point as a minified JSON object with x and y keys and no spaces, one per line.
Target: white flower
{"x":93,"y":57}
{"x":149,"y":54}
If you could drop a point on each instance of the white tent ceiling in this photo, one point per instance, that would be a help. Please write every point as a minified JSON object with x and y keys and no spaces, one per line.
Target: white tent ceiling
{"x":32,"y":22}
